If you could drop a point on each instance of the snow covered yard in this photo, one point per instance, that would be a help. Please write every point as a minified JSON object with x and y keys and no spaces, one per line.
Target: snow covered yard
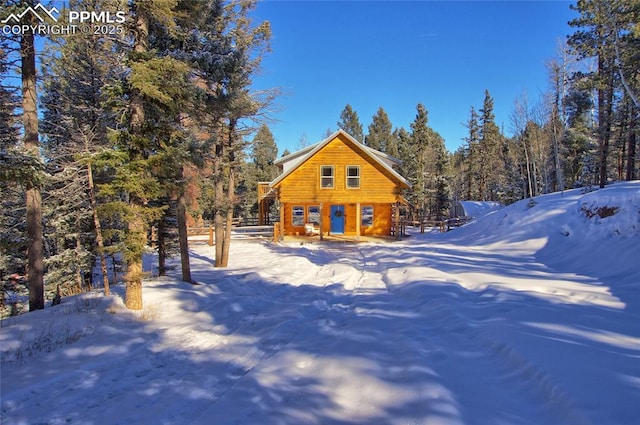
{"x":525,"y":316}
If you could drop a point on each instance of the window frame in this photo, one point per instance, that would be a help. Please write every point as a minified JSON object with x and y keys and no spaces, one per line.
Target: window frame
{"x":368,"y":217}
{"x":310,"y":214}
{"x":347,"y":177}
{"x":332,"y":176}
{"x":295,"y":216}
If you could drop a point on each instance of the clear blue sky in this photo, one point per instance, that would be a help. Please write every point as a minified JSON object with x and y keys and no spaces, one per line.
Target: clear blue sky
{"x":396,"y":54}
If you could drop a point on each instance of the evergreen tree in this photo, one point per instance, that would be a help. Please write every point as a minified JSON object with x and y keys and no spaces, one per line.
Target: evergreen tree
{"x":473,"y":157}
{"x":350,"y":123}
{"x":264,"y":153}
{"x":34,"y":224}
{"x":427,"y":167}
{"x":600,"y":26}
{"x":153,"y":95}
{"x":380,"y":135}
{"x":491,"y":163}
{"x":12,"y":229}
{"x":405,"y":152}
{"x":417,"y":156}
{"x":578,"y":144}
{"x":77,"y":77}
{"x":441,"y":178}
{"x":9,"y":128}
{"x":230,"y":50}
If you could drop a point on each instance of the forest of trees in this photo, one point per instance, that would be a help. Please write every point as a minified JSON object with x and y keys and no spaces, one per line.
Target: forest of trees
{"x":103,"y":146}
{"x":104,"y":137}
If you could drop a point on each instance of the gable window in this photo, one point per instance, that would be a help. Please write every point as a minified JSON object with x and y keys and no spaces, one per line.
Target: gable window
{"x":297,"y":215}
{"x":327,"y":177}
{"x":353,"y":176}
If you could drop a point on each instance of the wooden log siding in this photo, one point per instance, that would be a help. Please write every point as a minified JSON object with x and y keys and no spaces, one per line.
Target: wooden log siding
{"x":304,"y":183}
{"x":302,"y":187}
{"x":381,"y":226}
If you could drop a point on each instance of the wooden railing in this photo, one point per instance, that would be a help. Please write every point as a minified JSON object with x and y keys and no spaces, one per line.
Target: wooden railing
{"x":264,"y":191}
{"x":237,"y":232}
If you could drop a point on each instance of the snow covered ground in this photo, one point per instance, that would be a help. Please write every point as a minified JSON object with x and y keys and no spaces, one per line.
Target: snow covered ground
{"x":529,"y":315}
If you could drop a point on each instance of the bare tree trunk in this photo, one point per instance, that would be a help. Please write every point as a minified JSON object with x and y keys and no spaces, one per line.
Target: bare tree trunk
{"x":526,"y":155}
{"x":229,"y":220}
{"x":162,"y":248}
{"x":231,"y":190}
{"x":35,"y":238}
{"x":605,"y":111}
{"x":78,"y":277}
{"x":182,"y":236}
{"x":219,"y":218}
{"x":558,"y":78}
{"x":133,"y":286}
{"x":618,"y":63}
{"x":632,"y":141}
{"x":621,"y":153}
{"x":556,"y":151}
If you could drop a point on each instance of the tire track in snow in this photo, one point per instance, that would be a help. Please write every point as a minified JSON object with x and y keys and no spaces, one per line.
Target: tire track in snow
{"x":516,"y":371}
{"x":514,"y":364}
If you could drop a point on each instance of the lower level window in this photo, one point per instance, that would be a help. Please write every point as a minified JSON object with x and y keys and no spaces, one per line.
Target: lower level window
{"x":297,"y":216}
{"x":367,"y":216}
{"x":313,"y":214}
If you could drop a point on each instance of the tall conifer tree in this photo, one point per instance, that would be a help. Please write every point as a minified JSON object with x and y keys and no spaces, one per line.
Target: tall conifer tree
{"x":491,"y":159}
{"x":350,"y":123}
{"x":380,"y":135}
{"x":35,"y":232}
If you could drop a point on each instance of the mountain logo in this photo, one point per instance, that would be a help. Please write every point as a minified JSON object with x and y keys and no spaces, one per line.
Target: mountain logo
{"x":39,"y":11}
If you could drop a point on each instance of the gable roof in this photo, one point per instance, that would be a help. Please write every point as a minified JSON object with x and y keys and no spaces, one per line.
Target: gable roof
{"x":297,"y":158}
{"x":297,"y":154}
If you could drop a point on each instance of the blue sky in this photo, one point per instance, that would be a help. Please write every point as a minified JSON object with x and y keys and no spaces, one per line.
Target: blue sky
{"x":396,"y":54}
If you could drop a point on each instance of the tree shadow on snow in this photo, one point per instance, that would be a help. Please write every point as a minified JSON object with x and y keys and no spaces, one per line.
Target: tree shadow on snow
{"x":244,"y":349}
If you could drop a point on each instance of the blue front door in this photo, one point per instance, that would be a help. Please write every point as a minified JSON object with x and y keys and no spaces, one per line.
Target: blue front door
{"x":337,"y":219}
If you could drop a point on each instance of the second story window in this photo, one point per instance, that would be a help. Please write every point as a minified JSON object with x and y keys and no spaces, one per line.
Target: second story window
{"x":353,"y":176}
{"x":326,"y":177}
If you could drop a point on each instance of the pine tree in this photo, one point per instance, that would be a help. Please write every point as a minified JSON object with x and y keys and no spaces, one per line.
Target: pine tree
{"x":491,"y":160}
{"x":80,"y":71}
{"x":153,"y":91}
{"x":427,"y":167}
{"x":350,"y":123}
{"x":12,"y":229}
{"x":265,"y":153}
{"x":34,"y":224}
{"x":474,"y":168}
{"x":261,"y":168}
{"x":380,"y":135}
{"x":405,"y":152}
{"x":441,"y":177}
{"x":602,"y":26}
{"x":229,"y":52}
{"x":558,"y":78}
{"x":9,"y":128}
{"x":417,"y":155}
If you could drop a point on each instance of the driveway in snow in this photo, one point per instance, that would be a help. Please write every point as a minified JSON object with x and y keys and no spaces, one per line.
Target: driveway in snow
{"x":436,"y":329}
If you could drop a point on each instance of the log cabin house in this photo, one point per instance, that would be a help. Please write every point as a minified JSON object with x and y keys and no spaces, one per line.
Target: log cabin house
{"x":335,"y":187}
